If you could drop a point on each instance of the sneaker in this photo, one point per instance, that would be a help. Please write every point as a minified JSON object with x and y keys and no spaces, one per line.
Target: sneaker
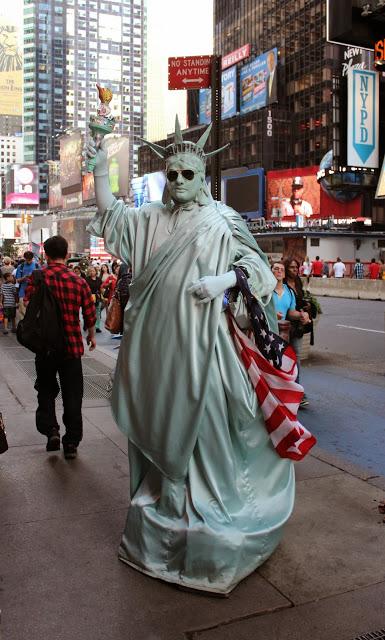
{"x":304,"y":402}
{"x":5,"y":332}
{"x":70,"y":451}
{"x":53,"y":442}
{"x":98,"y":330}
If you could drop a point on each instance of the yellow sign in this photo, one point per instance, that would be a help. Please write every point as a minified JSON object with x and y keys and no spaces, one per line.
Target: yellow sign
{"x":11,"y":71}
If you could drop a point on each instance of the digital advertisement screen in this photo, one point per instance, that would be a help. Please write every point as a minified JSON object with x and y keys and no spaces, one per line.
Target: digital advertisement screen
{"x":258,"y":80}
{"x":245,"y":193}
{"x":293,"y":192}
{"x":22,"y":185}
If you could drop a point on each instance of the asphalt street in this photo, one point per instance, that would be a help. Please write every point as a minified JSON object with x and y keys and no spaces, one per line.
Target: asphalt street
{"x":344,"y":379}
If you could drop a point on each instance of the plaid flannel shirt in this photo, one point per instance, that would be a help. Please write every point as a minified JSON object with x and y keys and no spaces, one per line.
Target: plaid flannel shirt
{"x":72,"y":292}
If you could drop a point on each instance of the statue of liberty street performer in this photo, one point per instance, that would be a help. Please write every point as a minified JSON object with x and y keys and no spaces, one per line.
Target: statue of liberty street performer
{"x":209,"y":493}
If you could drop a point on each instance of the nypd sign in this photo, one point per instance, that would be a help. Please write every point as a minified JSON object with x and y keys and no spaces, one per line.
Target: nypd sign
{"x":363,"y":95}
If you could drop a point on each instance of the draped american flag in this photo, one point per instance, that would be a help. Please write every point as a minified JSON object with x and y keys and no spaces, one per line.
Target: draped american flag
{"x":272,"y":369}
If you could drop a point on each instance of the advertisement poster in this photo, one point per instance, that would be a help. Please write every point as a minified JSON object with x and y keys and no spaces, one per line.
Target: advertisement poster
{"x":11,"y":68}
{"x":229,"y":93}
{"x":55,"y":198}
{"x":229,"y":97}
{"x":117,"y":148}
{"x":258,"y":81}
{"x":88,"y":188}
{"x":204,"y":106}
{"x":22,"y":185}
{"x":363,"y":111}
{"x":71,"y":147}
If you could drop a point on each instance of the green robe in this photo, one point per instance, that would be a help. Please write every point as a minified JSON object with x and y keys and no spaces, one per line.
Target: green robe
{"x":209,"y":494}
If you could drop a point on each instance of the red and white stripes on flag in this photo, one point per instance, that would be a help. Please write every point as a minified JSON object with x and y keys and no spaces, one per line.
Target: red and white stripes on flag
{"x":278,"y":395}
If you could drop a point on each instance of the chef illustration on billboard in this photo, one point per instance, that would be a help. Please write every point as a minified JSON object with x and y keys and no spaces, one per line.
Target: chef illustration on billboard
{"x":295,"y":205}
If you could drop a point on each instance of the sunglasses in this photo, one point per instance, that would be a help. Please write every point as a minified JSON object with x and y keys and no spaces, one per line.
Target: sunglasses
{"x":187,"y":174}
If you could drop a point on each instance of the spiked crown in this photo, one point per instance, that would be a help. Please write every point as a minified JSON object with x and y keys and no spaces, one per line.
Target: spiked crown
{"x":184,"y":146}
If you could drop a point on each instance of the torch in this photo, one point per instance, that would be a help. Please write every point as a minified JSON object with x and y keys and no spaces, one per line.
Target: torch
{"x":102,"y":123}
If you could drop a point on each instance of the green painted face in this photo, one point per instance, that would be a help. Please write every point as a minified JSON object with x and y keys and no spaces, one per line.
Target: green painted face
{"x":184,"y":188}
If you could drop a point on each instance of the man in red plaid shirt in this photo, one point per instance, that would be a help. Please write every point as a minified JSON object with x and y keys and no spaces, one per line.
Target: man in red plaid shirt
{"x":72,"y":293}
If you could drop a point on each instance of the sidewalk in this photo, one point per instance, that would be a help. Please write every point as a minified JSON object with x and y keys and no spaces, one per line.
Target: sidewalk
{"x":61,"y":521}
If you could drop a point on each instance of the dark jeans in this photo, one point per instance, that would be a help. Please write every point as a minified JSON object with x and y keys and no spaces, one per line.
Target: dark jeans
{"x":71,"y":385}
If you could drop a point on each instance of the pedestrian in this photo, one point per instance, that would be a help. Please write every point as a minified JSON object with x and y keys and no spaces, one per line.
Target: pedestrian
{"x":325,"y":270}
{"x":293,"y":282}
{"x":104,"y":271}
{"x":358,"y":271}
{"x":373,"y":270}
{"x":382,"y":269}
{"x":306,"y":269}
{"x":72,"y":294}
{"x":317,"y":267}
{"x":181,"y":393}
{"x":109,"y":284}
{"x":339,"y":269}
{"x":23,"y":272}
{"x":9,"y":300}
{"x":7,"y":267}
{"x":95,"y":282}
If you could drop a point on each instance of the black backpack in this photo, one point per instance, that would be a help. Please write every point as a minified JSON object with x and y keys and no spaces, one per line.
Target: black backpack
{"x":41,"y":329}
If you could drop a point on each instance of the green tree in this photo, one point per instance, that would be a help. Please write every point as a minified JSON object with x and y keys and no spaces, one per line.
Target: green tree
{"x":8,"y":248}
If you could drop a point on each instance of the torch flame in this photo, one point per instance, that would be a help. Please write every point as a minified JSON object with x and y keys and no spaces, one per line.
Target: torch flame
{"x":105,"y":95}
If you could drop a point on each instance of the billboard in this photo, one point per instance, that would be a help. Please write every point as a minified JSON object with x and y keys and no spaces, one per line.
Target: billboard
{"x":11,"y":69}
{"x":88,"y":188}
{"x":259,"y":82}
{"x":286,"y":200}
{"x":73,"y":200}
{"x":117,"y":148}
{"x":229,"y":93}
{"x":22,"y":185}
{"x":71,"y":146}
{"x":204,"y":106}
{"x":380,"y":191}
{"x":55,"y":198}
{"x":229,"y":98}
{"x":363,"y":108}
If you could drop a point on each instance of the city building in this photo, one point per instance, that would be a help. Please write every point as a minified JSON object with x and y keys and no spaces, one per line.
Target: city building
{"x":69,"y":45}
{"x":285,"y":109}
{"x":11,"y":151}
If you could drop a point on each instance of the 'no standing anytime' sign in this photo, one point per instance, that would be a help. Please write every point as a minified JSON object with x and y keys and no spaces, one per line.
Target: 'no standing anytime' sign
{"x":191,"y":72}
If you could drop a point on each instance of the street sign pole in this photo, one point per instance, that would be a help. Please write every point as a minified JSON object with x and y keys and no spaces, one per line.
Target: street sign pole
{"x":216,"y":103}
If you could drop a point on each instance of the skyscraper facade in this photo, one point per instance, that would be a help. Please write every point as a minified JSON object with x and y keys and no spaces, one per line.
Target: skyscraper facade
{"x":69,"y":45}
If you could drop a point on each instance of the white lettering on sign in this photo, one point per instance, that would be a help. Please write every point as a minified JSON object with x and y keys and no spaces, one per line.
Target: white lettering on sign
{"x":349,"y":55}
{"x":352,"y":52}
{"x":236,"y":56}
{"x":269,"y":124}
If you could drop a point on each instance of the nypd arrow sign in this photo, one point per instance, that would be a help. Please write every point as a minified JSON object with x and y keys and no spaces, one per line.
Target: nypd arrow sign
{"x":363,"y":99}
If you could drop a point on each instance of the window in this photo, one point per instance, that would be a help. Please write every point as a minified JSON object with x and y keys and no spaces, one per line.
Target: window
{"x":314,"y":242}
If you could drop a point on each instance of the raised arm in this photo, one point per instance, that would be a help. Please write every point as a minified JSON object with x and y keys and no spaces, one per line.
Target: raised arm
{"x":104,"y":197}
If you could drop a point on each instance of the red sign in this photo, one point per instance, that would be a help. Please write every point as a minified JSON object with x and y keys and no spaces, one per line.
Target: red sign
{"x":190,"y":72}
{"x":379,"y":51}
{"x":236,"y":56}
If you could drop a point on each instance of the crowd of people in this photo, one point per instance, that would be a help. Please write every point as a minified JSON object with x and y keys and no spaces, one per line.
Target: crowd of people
{"x":319,"y":268}
{"x":103,"y":278}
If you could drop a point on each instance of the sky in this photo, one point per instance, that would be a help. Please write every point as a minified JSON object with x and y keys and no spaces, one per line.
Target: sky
{"x":174,"y":28}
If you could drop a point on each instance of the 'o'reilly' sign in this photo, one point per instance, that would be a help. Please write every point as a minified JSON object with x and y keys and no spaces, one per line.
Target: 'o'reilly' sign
{"x":362,"y":118}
